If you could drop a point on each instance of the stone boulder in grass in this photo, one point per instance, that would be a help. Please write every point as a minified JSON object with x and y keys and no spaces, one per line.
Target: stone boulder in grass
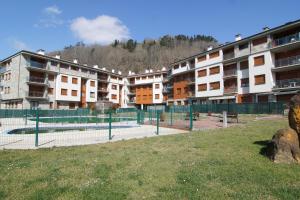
{"x":284,"y":145}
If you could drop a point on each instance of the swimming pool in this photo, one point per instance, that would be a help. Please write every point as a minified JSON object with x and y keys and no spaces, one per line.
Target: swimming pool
{"x":54,"y":129}
{"x":82,"y":119}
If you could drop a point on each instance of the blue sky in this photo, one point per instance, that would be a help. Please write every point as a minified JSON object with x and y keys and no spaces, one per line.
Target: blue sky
{"x":52,"y":25}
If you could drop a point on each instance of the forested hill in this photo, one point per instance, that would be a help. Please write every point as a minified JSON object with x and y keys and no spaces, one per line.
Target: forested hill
{"x":134,"y":56}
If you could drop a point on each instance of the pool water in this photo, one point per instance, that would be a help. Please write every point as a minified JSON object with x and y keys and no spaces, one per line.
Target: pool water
{"x":72,"y":120}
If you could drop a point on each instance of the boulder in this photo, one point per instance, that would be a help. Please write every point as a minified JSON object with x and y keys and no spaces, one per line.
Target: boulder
{"x":294,"y":113}
{"x":285,"y":146}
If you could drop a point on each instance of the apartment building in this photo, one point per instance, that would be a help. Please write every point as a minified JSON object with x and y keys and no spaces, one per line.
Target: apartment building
{"x":147,"y":88}
{"x":264,"y":67}
{"x":31,"y":80}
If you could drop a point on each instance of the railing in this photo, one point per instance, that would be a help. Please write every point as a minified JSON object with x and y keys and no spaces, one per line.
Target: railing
{"x":2,"y":69}
{"x":230,"y":90}
{"x":36,"y":64}
{"x":288,"y":83}
{"x":287,"y":39}
{"x":228,"y":56}
{"x":102,"y":90}
{"x":103,"y":78}
{"x":36,"y":94}
{"x":245,"y":85}
{"x":36,"y":79}
{"x":231,"y":72}
{"x":192,"y":66}
{"x":293,"y":60}
{"x":103,"y":99}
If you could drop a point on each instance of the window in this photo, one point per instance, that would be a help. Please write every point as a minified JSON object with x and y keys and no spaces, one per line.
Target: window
{"x":183,"y":64}
{"x":259,"y":60}
{"x":71,"y":105}
{"x":202,"y":73}
{"x":244,"y":65}
{"x":64,"y":79}
{"x":51,"y":77}
{"x":259,"y":41}
{"x":201,"y":58}
{"x":51,"y":105}
{"x":93,"y":72}
{"x":156,"y":96}
{"x":150,"y":77}
{"x":214,"y":54}
{"x":178,"y":91}
{"x":113,"y":87}
{"x":74,"y":93}
{"x":214,"y":70}
{"x":92,"y":94}
{"x":50,"y":90}
{"x":245,"y":82}
{"x":92,"y":83}
{"x":144,"y":77}
{"x":214,"y":85}
{"x":260,"y":79}
{"x":74,"y":80}
{"x":138,"y":78}
{"x":64,"y":66}
{"x":53,"y":63}
{"x":144,"y":97}
{"x":157,"y":76}
{"x":156,"y":86}
{"x":84,"y":70}
{"x":243,"y":46}
{"x":64,"y":92}
{"x":176,"y":66}
{"x":113,"y":96}
{"x":114,"y":77}
{"x":202,"y":87}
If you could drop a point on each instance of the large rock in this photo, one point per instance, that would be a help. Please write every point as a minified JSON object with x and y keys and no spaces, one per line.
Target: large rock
{"x":294,"y":113}
{"x":285,"y":146}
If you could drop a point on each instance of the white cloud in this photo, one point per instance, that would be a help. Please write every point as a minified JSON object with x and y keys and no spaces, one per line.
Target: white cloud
{"x":51,"y":18}
{"x":18,"y":44}
{"x":52,"y":10}
{"x":103,"y":29}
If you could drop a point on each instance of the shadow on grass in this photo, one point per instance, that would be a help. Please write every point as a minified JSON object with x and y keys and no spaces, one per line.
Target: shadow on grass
{"x":267,"y":148}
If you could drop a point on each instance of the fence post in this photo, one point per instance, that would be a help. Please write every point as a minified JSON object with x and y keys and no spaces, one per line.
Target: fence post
{"x":171,"y":117}
{"x":109,"y":125}
{"x":157,"y":123}
{"x":224,"y":119}
{"x":37,"y":128}
{"x":142,"y":117}
{"x":191,"y":117}
{"x":26,"y":117}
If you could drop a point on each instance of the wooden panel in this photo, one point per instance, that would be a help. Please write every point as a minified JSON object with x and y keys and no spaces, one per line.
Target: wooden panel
{"x":202,"y":73}
{"x":202,"y":58}
{"x":64,"y":92}
{"x":202,"y":87}
{"x":244,"y":65}
{"x":92,"y":83}
{"x":245,"y":98}
{"x":50,"y":90}
{"x":214,"y":70}
{"x":260,"y":79}
{"x":214,"y":54}
{"x":144,"y":94}
{"x":259,"y":60}
{"x":74,"y":93}
{"x":64,"y":79}
{"x":259,"y":41}
{"x":214,"y":85}
{"x":74,"y":80}
{"x":114,"y":96}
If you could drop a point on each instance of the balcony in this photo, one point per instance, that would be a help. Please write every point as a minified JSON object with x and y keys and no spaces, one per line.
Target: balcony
{"x":102,"y":99}
{"x":230,"y":73}
{"x":230,"y":90}
{"x":228,"y":56}
{"x":36,"y":95}
{"x":286,"y":39}
{"x":36,"y":65}
{"x":289,"y":61}
{"x":103,"y":78}
{"x":287,"y":84}
{"x":37,"y":80}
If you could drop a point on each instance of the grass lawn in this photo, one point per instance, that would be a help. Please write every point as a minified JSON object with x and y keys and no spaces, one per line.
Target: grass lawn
{"x":218,"y":164}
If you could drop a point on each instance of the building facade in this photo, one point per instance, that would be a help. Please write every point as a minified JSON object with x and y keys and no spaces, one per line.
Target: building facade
{"x":264,"y":67}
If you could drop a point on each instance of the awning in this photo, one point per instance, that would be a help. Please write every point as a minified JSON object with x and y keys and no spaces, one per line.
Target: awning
{"x":222,"y":97}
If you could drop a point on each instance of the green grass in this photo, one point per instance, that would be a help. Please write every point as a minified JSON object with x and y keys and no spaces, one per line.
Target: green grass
{"x":218,"y":164}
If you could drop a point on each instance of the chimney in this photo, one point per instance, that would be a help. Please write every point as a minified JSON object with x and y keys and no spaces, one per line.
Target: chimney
{"x":113,"y":71}
{"x":146,"y":71}
{"x":129,"y":72}
{"x":266,"y":28}
{"x":119,"y":72}
{"x":163,"y":69}
{"x":103,"y":68}
{"x":57,"y":56}
{"x":75,"y":61}
{"x":96,"y":66}
{"x":238,"y":37}
{"x":41,"y":52}
{"x":150,"y":70}
{"x":209,"y":48}
{"x":85,"y":65}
